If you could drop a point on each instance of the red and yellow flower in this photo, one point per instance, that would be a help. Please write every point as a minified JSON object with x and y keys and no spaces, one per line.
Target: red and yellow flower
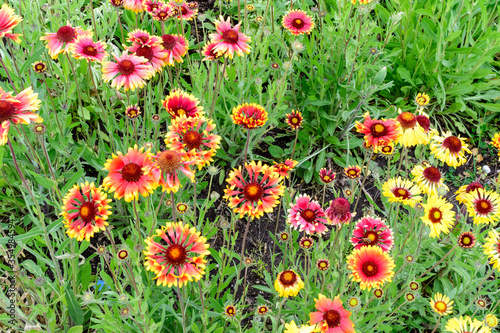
{"x":133,"y":5}
{"x":298,"y":22}
{"x":371,"y":231}
{"x":129,"y":71}
{"x":331,"y":316}
{"x":449,"y":149}
{"x":483,"y":206}
{"x":370,"y":266}
{"x":176,"y":47}
{"x":185,"y":12}
{"x":464,"y":191}
{"x":249,"y":116}
{"x":176,"y":254}
{"x":127,"y":176}
{"x":428,"y":178}
{"x":352,"y":171}
{"x":326,"y":175}
{"x":153,"y":53}
{"x":294,"y":119}
{"x":209,"y":51}
{"x":60,"y":41}
{"x":180,"y":103}
{"x":283,"y":169}
{"x":288,"y":283}
{"x":307,"y":215}
{"x":229,"y":40}
{"x":143,"y":37}
{"x":401,"y":190}
{"x":193,"y":139}
{"x":339,"y":211}
{"x":438,"y":215}
{"x":413,"y":134}
{"x":84,"y":47}
{"x":492,"y":248}
{"x":85,"y":211}
{"x":379,"y":132}
{"x":254,"y":193}
{"x":8,"y":20}
{"x":165,"y":170}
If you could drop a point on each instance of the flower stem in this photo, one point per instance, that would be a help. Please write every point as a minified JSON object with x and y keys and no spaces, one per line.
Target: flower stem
{"x":76,"y":80}
{"x":53,"y":105}
{"x":42,"y":142}
{"x":204,"y":316}
{"x":182,"y":306}
{"x":241,"y":255}
{"x":174,"y":213}
{"x":437,"y":324}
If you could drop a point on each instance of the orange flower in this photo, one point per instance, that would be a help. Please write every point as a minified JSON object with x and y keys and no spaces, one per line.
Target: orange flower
{"x":165,"y":170}
{"x":249,"y":115}
{"x":331,"y":316}
{"x":379,"y":132}
{"x":370,"y":266}
{"x":283,"y":168}
{"x":180,"y":103}
{"x":8,"y":20}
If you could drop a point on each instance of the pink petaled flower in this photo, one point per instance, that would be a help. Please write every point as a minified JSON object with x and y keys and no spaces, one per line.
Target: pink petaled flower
{"x":298,"y":22}
{"x":209,"y":52}
{"x":372,"y":231}
{"x":155,"y":54}
{"x":180,"y":103}
{"x":84,"y":47}
{"x":185,"y":12}
{"x":8,"y":20}
{"x":151,"y":5}
{"x":165,"y":170}
{"x":331,"y":316}
{"x":339,"y":211}
{"x":60,"y":41}
{"x":176,"y":47}
{"x":133,"y":5}
{"x":143,"y":37}
{"x":16,"y":109}
{"x":307,"y":215}
{"x":163,"y":12}
{"x":229,"y":40}
{"x":326,"y":175}
{"x":129,"y":71}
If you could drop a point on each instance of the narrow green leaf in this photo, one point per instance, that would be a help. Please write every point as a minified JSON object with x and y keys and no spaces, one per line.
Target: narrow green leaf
{"x":74,"y":309}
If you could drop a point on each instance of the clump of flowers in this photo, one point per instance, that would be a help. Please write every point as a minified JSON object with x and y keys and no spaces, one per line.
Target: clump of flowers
{"x":370,"y":266}
{"x":60,"y":41}
{"x":413,"y":134}
{"x":371,"y":231}
{"x":307,"y":215}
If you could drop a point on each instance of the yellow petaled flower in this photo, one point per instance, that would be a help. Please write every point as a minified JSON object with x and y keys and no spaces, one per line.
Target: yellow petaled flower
{"x":483,"y":206}
{"x":370,"y":266}
{"x":230,"y":311}
{"x":449,"y":149}
{"x":413,"y":133}
{"x":441,"y":304}
{"x":249,"y":115}
{"x":495,"y":140}
{"x":387,"y":149}
{"x":378,"y":293}
{"x":352,"y":171}
{"x":292,"y":328}
{"x":466,"y":325}
{"x":288,"y":283}
{"x":438,"y":215}
{"x":491,"y":320}
{"x":428,"y":178}
{"x":401,"y":190}
{"x":422,"y":99}
{"x":492,"y":248}
{"x":463,"y":191}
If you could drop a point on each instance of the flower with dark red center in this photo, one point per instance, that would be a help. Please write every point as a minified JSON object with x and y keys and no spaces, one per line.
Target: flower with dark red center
{"x":85,"y":211}
{"x":412,"y":132}
{"x":142,"y":37}
{"x":379,"y":132}
{"x":410,"y":297}
{"x":176,"y":254}
{"x":151,"y":5}
{"x":306,"y":243}
{"x":229,"y":40}
{"x":401,"y":190}
{"x":371,"y":231}
{"x":129,"y":71}
{"x":438,"y":215}
{"x":230,"y":311}
{"x":249,"y":116}
{"x":255,"y":192}
{"x":39,"y":67}
{"x":298,"y":22}
{"x":370,"y":266}
{"x":17,"y":109}
{"x":414,"y":285}
{"x":176,"y":47}
{"x":449,"y":149}
{"x":193,"y":139}
{"x":8,"y":20}
{"x":294,"y":119}
{"x":153,"y":53}
{"x":284,"y":169}
{"x":166,"y":167}
{"x":428,"y":178}
{"x":481,"y":303}
{"x":352,"y":171}
{"x":441,"y":304}
{"x":163,"y":12}
{"x":209,"y":51}
{"x":60,"y":41}
{"x":464,"y":191}
{"x":262,"y":310}
{"x":492,"y":248}
{"x":422,"y":99}
{"x":483,"y":206}
{"x":133,"y":5}
{"x":133,"y":111}
{"x":323,"y":264}
{"x":179,"y":103}
{"x":116,"y":3}
{"x":326,"y":175}
{"x":284,"y":236}
{"x":84,"y":47}
{"x":288,"y":283}
{"x":339,"y":211}
{"x":466,"y":240}
{"x":331,"y":316}
{"x":387,"y":149}
{"x":123,"y":254}
{"x":307,"y":215}
{"x":378,"y":293}
{"x":126,"y":175}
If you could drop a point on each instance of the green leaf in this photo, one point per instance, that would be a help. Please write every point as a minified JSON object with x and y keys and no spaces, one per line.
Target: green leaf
{"x":76,"y":329}
{"x":45,"y":182}
{"x":276,"y":151}
{"x":85,"y":275}
{"x":460,"y":89}
{"x":380,"y":76}
{"x":74,"y":309}
{"x":405,"y":75}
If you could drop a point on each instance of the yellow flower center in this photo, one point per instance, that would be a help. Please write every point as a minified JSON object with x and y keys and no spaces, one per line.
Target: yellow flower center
{"x":353,"y":302}
{"x":84,"y":212}
{"x":379,"y":128}
{"x":440,"y":306}
{"x":437,"y":215}
{"x":371,"y":237}
{"x":466,"y":240}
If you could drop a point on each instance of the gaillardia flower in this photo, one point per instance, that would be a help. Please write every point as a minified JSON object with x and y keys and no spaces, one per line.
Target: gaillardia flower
{"x":262,"y":310}
{"x":339,"y":211}
{"x":323,"y":264}
{"x":85,"y":211}
{"x":352,"y":171}
{"x":331,"y":316}
{"x":466,"y":240}
{"x":306,"y":243}
{"x":379,"y":132}
{"x":466,"y":325}
{"x":176,"y":47}
{"x":17,"y":110}
{"x":209,"y":52}
{"x":151,"y":5}
{"x":39,"y":66}
{"x":326,"y":175}
{"x":371,"y":231}
{"x":413,"y":133}
{"x":133,"y":111}
{"x":449,"y":149}
{"x":441,"y":304}
{"x":126,"y":174}
{"x":288,"y":283}
{"x":143,"y":37}
{"x":428,"y":178}
{"x":283,"y":169}
{"x":298,"y":22}
{"x":292,"y":328}
{"x":370,"y":266}
{"x":307,"y":215}
{"x":229,"y":40}
{"x":84,"y":47}
{"x":249,"y":116}
{"x":401,"y":190}
{"x":294,"y":119}
{"x":129,"y":71}
{"x":422,"y":99}
{"x":491,"y":320}
{"x":230,"y":311}
{"x":438,"y":215}
{"x":8,"y":20}
{"x":60,"y":41}
{"x":354,"y":303}
{"x":186,"y":11}
{"x":464,"y":191}
{"x":176,"y":254}
{"x":154,"y":53}
{"x":483,"y":206}
{"x":133,"y":5}
{"x":165,"y":168}
{"x":492,"y":248}
{"x":254,"y":193}
{"x":180,"y":103}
